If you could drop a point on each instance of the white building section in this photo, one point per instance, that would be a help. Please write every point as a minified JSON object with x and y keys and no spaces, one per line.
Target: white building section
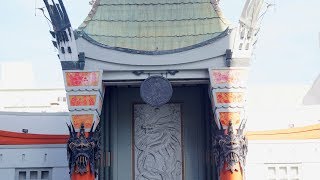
{"x":34,"y":123}
{"x":275,"y":160}
{"x":33,"y":162}
{"x":33,"y":100}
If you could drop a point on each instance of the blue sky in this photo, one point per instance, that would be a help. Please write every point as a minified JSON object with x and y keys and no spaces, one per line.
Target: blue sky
{"x":287,"y":51}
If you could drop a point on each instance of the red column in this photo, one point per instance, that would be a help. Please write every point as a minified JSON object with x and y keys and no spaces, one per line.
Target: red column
{"x":85,"y":98}
{"x":83,"y":150}
{"x":228,"y":96}
{"x":228,"y":175}
{"x":86,"y":176}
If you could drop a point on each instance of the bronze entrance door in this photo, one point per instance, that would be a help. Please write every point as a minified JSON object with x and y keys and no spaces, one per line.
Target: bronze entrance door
{"x":166,"y":143}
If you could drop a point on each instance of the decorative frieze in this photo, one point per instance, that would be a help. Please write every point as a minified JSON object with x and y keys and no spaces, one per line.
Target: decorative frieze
{"x":83,"y":80}
{"x":227,"y":117}
{"x":82,"y":100}
{"x":84,"y":117}
{"x":230,"y":76}
{"x":85,"y":100}
{"x":228,"y":96}
{"x":84,"y":96}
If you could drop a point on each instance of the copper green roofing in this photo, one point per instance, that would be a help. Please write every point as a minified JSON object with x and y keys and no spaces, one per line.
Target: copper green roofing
{"x":153,"y":25}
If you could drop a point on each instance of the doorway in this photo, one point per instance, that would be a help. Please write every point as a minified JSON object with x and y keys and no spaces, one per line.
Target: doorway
{"x":166,"y":143}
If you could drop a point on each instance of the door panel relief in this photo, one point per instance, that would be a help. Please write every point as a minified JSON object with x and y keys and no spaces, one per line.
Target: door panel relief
{"x":157,"y":142}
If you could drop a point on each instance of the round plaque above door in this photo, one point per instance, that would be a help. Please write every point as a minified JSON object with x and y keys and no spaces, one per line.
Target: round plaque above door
{"x":156,"y":91}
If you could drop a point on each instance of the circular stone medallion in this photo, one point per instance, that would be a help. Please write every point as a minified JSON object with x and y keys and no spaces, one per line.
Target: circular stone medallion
{"x":156,"y":91}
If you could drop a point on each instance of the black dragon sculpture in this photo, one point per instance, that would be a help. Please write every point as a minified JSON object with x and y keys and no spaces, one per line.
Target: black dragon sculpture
{"x":230,"y":148}
{"x":83,"y":151}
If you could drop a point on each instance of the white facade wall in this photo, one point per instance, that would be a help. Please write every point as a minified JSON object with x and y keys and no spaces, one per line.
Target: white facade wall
{"x":33,"y":100}
{"x":36,"y":123}
{"x":7,"y":173}
{"x":15,"y":157}
{"x":263,"y":154}
{"x":60,"y":173}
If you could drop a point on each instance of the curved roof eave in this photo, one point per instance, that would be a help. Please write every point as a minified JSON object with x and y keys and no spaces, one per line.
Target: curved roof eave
{"x":161,"y":52}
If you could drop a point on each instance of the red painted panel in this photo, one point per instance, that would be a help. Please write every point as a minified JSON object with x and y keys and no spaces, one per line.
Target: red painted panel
{"x":82,"y":100}
{"x":86,"y":119}
{"x":230,"y":97}
{"x":86,"y":176}
{"x":228,"y":175}
{"x":225,"y":118}
{"x":82,"y":78}
{"x":13,"y":138}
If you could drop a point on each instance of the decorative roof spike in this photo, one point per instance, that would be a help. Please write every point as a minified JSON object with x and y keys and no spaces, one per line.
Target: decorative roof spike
{"x":65,"y":40}
{"x":251,"y":12}
{"x":58,"y":15}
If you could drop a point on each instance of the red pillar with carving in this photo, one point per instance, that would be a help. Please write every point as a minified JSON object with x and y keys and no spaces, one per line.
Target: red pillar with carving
{"x":228,"y":95}
{"x":83,"y":148}
{"x":84,"y":97}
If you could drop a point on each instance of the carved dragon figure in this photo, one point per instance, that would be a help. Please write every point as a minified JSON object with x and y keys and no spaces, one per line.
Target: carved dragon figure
{"x":230,"y":148}
{"x":83,"y":151}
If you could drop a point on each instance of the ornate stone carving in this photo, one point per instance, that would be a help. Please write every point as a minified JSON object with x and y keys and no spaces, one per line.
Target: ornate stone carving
{"x":82,"y":150}
{"x":157,"y":142}
{"x":230,"y":148}
{"x":156,"y":91}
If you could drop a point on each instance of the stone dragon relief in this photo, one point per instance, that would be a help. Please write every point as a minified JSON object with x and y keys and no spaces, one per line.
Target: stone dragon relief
{"x":157,"y":142}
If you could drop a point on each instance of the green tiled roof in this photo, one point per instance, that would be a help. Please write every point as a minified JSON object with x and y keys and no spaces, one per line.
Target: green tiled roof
{"x":153,"y":25}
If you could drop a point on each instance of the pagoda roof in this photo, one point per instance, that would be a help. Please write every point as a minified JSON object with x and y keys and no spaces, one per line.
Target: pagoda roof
{"x":153,"y":25}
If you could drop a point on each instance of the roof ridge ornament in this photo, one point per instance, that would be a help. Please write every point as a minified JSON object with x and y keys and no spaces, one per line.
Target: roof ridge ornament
{"x":63,"y":35}
{"x":250,"y":15}
{"x":247,"y":32}
{"x":58,"y":15}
